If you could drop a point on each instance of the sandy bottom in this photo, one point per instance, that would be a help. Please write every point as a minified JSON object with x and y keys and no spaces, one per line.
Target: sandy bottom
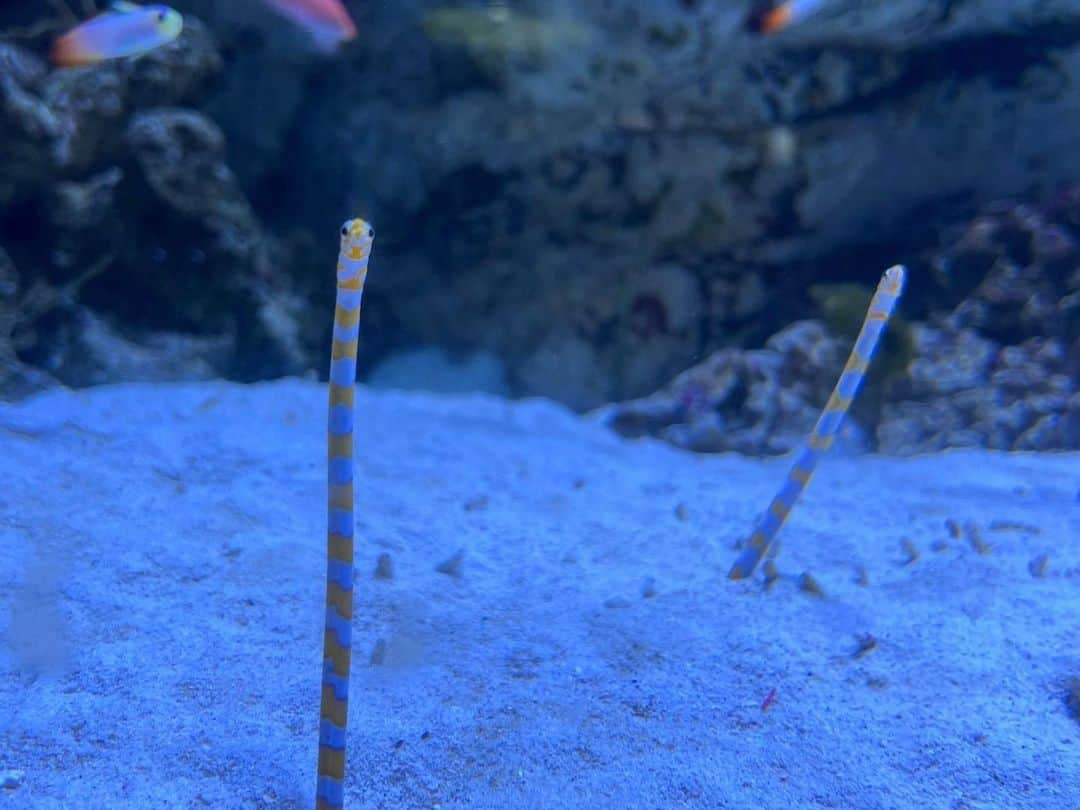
{"x":162,"y":557}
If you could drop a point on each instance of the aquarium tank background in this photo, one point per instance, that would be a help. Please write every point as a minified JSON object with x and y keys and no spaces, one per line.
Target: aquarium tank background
{"x":392,"y":395}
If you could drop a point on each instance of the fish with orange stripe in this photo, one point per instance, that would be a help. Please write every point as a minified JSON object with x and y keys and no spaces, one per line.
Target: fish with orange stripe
{"x":778,"y":17}
{"x":356,"y":241}
{"x":125,"y":30}
{"x":327,"y":22}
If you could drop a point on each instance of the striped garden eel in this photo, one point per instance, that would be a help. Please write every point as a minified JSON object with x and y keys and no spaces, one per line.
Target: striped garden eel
{"x":356,"y":240}
{"x":821,"y":438}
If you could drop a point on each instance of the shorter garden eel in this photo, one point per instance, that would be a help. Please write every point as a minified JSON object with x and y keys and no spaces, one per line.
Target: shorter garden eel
{"x":821,"y":438}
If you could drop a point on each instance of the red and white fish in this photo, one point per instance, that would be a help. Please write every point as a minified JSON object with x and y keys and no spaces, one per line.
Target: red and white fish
{"x":125,"y":30}
{"x":327,"y":22}
{"x":781,"y":16}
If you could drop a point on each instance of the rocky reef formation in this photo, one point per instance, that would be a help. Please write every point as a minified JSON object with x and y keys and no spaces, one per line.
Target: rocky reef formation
{"x":1001,"y":368}
{"x":967,"y":391}
{"x":998,"y":368}
{"x":536,"y":152}
{"x":756,"y":401}
{"x":597,"y":193}
{"x":129,"y":249}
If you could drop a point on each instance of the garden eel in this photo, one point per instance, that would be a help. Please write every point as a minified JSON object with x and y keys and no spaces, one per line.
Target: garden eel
{"x":821,"y":438}
{"x":356,"y":239}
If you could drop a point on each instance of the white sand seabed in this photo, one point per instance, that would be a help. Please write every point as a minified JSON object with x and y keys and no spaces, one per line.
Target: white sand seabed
{"x":162,"y":558}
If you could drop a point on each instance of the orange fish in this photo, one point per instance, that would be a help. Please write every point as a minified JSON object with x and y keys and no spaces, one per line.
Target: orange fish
{"x":326,"y":21}
{"x":781,"y":16}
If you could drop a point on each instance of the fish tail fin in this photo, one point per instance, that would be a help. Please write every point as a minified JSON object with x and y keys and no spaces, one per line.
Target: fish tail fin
{"x":770,"y":20}
{"x":329,"y":38}
{"x":776,"y":19}
{"x":69,"y":51}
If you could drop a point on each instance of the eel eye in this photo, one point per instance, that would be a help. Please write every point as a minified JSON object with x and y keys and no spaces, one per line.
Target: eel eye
{"x":370,"y":232}
{"x":344,"y":230}
{"x":162,"y":16}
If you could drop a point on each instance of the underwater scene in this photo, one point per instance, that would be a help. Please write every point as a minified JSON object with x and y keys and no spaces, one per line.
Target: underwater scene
{"x":540,"y":404}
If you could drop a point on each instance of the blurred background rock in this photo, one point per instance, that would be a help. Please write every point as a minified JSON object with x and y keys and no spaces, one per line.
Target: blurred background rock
{"x":605,"y":200}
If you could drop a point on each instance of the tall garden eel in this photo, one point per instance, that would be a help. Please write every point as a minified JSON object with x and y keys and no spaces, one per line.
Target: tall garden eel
{"x":356,"y":240}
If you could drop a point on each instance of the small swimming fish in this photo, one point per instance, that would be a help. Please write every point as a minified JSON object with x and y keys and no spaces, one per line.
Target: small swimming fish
{"x":326,"y":21}
{"x":783,"y":15}
{"x":126,"y":29}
